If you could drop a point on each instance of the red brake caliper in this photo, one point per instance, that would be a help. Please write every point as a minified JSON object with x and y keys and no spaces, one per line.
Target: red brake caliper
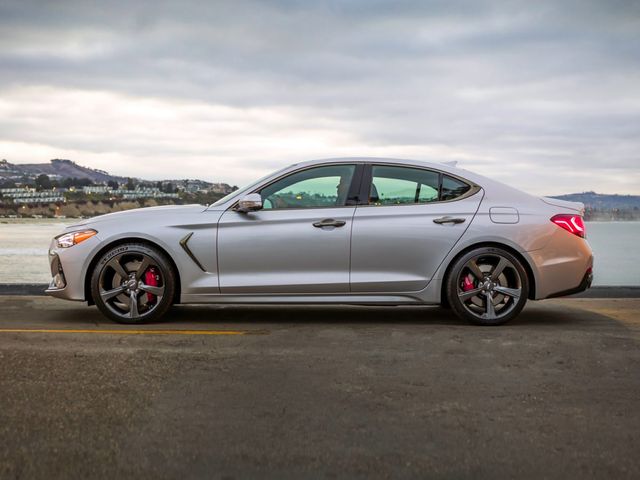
{"x":467,"y":283}
{"x":151,"y":278}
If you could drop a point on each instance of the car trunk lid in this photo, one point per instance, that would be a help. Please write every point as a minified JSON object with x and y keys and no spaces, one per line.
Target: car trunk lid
{"x":564,"y":204}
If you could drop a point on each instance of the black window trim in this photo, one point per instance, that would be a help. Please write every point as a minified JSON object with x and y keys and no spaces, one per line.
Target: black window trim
{"x":367,"y":180}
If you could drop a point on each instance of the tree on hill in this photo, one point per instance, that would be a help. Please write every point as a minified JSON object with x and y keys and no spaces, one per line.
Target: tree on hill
{"x":43,"y":182}
{"x":76,"y":182}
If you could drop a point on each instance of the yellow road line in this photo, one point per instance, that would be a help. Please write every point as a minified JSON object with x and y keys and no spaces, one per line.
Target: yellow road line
{"x":131,"y":332}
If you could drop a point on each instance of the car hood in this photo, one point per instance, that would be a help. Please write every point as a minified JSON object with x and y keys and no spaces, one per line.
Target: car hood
{"x":142,"y":213}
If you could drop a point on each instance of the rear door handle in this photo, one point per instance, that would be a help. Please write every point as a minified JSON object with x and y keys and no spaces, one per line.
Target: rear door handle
{"x":443,"y":220}
{"x":329,"y":222}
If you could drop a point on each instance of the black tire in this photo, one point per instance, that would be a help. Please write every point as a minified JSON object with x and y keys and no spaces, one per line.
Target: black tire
{"x":482,"y":274}
{"x":116,"y":280}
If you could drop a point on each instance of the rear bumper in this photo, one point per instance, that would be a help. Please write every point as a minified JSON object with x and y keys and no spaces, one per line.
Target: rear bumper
{"x":584,"y":285}
{"x":564,"y":266}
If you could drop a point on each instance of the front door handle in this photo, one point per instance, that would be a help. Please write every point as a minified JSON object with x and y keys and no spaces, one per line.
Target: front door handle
{"x":329,"y":222}
{"x":443,"y":220}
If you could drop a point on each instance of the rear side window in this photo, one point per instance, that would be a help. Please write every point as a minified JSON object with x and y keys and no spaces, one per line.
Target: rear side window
{"x":402,"y":186}
{"x":393,"y":185}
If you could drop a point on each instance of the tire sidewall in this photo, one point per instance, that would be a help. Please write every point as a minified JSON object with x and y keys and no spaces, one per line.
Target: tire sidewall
{"x":452,"y":286}
{"x":161,"y":262}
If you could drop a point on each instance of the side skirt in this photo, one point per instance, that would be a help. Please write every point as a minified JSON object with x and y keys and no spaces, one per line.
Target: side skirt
{"x":305,"y":299}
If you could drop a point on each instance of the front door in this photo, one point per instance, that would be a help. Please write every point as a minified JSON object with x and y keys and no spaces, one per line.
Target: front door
{"x":298,"y":243}
{"x":412,"y":220}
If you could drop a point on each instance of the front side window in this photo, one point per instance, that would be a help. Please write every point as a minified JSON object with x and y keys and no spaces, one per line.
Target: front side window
{"x":320,"y":187}
{"x":402,"y":186}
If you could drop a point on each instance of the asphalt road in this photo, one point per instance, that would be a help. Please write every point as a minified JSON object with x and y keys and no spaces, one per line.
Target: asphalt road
{"x":320,"y":392}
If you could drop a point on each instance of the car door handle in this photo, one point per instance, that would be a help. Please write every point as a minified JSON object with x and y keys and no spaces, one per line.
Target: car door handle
{"x":329,"y":222}
{"x":443,"y":220}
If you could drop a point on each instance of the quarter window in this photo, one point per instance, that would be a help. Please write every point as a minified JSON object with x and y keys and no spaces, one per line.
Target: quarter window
{"x":452,"y":188}
{"x":319,"y":187}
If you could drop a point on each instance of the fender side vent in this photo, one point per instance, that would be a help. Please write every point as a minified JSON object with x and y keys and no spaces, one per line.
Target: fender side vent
{"x":185,"y":247}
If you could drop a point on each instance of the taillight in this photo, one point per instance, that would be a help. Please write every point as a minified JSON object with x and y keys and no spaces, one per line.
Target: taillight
{"x":571,"y":223}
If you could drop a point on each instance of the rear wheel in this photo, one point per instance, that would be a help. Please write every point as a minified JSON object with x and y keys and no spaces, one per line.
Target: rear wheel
{"x":133,"y":283}
{"x":487,"y":286}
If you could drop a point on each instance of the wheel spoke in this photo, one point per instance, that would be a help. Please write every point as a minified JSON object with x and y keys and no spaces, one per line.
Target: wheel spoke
{"x":115,"y":264}
{"x":495,"y":273}
{"x":133,"y":304}
{"x":109,"y":294}
{"x":146,"y":263}
{"x":475,"y":270}
{"x":490,"y":312}
{"x":464,"y":296}
{"x":157,"y":291}
{"x":510,"y":292}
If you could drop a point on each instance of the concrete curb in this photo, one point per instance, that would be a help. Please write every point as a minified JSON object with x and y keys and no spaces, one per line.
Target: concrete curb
{"x":593,"y":292}
{"x":23,"y":288}
{"x":610,"y":292}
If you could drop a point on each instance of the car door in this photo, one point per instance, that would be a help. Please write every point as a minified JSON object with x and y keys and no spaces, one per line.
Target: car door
{"x":412,"y":220}
{"x":299,"y":242}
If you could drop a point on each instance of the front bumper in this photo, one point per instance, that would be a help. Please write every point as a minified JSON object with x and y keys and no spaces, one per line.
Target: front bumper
{"x":69,"y":267}
{"x":58,"y":281}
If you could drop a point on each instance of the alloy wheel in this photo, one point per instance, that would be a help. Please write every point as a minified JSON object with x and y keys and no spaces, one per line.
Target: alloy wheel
{"x":131,"y":285}
{"x":489,"y":286}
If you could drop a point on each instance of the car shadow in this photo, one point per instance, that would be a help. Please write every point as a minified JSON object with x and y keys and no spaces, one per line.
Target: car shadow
{"x":537,"y":314}
{"x":313,"y":314}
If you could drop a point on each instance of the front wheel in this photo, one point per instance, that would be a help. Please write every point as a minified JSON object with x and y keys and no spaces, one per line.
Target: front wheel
{"x":487,"y":286}
{"x":133,"y":283}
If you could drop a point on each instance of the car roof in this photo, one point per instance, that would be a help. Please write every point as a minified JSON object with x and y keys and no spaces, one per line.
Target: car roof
{"x":447,"y":167}
{"x":400,"y":161}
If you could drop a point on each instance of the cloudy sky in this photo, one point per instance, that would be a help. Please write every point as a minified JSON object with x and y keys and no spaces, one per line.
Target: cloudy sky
{"x":542,"y":95}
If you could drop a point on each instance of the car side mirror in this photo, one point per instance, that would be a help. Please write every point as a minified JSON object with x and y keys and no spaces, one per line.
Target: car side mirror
{"x":250,"y":203}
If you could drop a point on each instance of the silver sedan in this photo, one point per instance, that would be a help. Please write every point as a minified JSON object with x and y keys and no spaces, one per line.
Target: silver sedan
{"x":337,"y":231}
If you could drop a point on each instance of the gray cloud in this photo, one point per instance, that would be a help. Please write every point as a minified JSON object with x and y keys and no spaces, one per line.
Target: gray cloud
{"x":551,"y":89}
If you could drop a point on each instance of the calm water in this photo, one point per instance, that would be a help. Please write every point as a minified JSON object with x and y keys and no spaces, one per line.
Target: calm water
{"x":23,"y":251}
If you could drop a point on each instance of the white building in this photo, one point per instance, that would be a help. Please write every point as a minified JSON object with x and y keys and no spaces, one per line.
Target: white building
{"x":98,"y":189}
{"x":31,"y":197}
{"x":143,"y":192}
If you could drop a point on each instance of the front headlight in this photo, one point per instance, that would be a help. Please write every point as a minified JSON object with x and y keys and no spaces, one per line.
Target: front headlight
{"x":70,"y":239}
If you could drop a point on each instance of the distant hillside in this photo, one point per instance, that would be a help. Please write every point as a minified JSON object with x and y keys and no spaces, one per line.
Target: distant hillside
{"x":603,"y":207}
{"x":57,"y":168}
{"x":600,"y":201}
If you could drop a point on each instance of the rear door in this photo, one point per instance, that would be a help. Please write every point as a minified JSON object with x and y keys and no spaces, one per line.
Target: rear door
{"x":412,"y":220}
